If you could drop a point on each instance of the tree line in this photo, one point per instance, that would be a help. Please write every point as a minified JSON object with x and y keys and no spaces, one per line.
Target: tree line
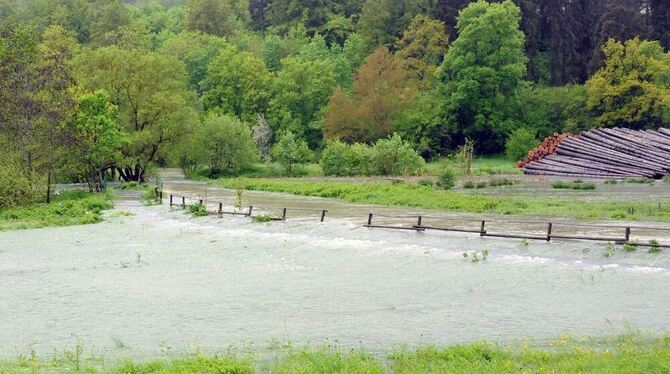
{"x":98,"y":89}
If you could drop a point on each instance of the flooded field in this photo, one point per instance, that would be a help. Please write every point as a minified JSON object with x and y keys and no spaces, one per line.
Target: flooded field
{"x":151,"y":280}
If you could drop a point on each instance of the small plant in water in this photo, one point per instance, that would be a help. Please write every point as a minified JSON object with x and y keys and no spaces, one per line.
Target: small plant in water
{"x":630,"y":247}
{"x":197,"y":210}
{"x":655,"y":247}
{"x":608,"y":251}
{"x":238,"y":199}
{"x":262,"y":218}
{"x":524,"y":242}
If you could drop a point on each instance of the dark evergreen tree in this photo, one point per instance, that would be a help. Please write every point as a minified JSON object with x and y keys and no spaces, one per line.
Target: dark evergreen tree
{"x":660,"y":21}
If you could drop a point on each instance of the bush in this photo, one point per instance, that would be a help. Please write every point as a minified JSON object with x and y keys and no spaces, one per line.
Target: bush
{"x":447,"y":179}
{"x":426,"y":183}
{"x":18,"y":186}
{"x":290,"y":152}
{"x":227,"y":145}
{"x":341,"y":160}
{"x":392,"y":156}
{"x":469,"y":185}
{"x":481,"y":185}
{"x":520,"y":143}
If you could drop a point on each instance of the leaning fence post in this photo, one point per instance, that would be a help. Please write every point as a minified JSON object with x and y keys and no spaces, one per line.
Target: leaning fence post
{"x":482,"y":229}
{"x":323,"y":215}
{"x":549,"y":228}
{"x":283,"y":216}
{"x":627,"y":234}
{"x":251,"y":208}
{"x":370,"y":219}
{"x":418,"y":221}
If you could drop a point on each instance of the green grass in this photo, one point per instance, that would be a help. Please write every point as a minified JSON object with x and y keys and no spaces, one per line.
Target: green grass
{"x":197,"y":210}
{"x":576,"y":185}
{"x":481,"y":166}
{"x":405,"y":194}
{"x":67,"y":209}
{"x":625,"y":354}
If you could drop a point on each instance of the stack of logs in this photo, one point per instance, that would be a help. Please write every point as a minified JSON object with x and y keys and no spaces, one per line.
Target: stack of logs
{"x":605,"y":153}
{"x":546,"y":148}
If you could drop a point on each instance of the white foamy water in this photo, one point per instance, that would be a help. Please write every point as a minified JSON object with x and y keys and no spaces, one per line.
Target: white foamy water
{"x":162,"y":279}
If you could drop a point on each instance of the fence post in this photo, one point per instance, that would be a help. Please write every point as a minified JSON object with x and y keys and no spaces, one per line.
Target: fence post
{"x":627,"y":234}
{"x":283,"y":215}
{"x":370,"y":219}
{"x":200,"y":201}
{"x":183,"y":202}
{"x":549,"y":228}
{"x":251,"y":209}
{"x":323,"y":215}
{"x":220,"y":208}
{"x":161,"y":196}
{"x":418,"y":221}
{"x":170,"y":200}
{"x":482,"y":229}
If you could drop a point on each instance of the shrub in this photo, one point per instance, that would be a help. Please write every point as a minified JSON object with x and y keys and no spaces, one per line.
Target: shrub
{"x":290,"y":152}
{"x":393,"y":156}
{"x":519,"y":143}
{"x":263,"y":218}
{"x":426,"y":183}
{"x":227,"y":145}
{"x":340,"y":159}
{"x":197,"y":210}
{"x":18,"y":186}
{"x":481,"y":185}
{"x":447,"y":179}
{"x":469,"y":185}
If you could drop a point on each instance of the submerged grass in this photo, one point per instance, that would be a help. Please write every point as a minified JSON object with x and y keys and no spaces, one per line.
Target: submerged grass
{"x":67,"y":209}
{"x":624,"y":354}
{"x":404,"y":194}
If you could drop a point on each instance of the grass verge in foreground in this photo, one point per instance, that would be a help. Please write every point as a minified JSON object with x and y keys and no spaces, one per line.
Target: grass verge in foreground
{"x":67,"y":209}
{"x":626,"y":354}
{"x":429,"y":198}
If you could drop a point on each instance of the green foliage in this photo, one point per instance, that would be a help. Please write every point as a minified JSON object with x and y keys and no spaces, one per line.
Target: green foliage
{"x":393,"y":156}
{"x":574,"y":186}
{"x":482,"y":73}
{"x":195,"y":50}
{"x":654,"y":246}
{"x":633,"y":88}
{"x":238,"y":83}
{"x":289,"y":151}
{"x":197,"y":210}
{"x":469,"y":185}
{"x":18,"y":186}
{"x":639,"y":180}
{"x":216,"y":17}
{"x":68,"y":208}
{"x":263,"y":218}
{"x":630,"y":247}
{"x":447,"y":179}
{"x":519,"y":143}
{"x":226,"y":145}
{"x":340,"y":159}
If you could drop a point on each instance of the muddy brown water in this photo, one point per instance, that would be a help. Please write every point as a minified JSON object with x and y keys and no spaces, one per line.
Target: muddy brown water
{"x":160,"y":281}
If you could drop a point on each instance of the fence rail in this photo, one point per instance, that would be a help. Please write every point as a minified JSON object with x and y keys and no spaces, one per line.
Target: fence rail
{"x":481,"y":228}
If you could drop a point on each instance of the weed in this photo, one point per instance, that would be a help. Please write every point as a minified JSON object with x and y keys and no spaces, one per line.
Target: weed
{"x":426,"y":183}
{"x":666,"y":178}
{"x":586,"y":250}
{"x":239,"y":193}
{"x":262,"y":218}
{"x":481,"y":185}
{"x":524,"y":242}
{"x":630,"y":247}
{"x":654,"y":246}
{"x":608,"y":251}
{"x":639,"y":180}
{"x":580,"y":185}
{"x":469,"y":185}
{"x":611,"y":181}
{"x":197,"y":210}
{"x":502,"y":182}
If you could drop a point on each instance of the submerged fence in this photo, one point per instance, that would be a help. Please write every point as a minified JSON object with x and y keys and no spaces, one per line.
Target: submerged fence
{"x":536,"y":230}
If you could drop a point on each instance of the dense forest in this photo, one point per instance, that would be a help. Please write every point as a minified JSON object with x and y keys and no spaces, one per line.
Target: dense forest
{"x":93,"y":89}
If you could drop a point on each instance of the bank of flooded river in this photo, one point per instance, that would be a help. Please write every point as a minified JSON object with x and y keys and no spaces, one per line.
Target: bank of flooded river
{"x":160,"y":280}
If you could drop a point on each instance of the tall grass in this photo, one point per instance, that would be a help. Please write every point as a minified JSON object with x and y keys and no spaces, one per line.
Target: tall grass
{"x":631,"y":353}
{"x":67,"y":209}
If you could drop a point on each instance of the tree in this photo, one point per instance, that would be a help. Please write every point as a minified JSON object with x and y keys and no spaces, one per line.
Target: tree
{"x":95,"y":137}
{"x":195,"y":50}
{"x":383,"y":21}
{"x":660,"y":22}
{"x":379,"y":91}
{"x":217,"y":17}
{"x":290,"y":150}
{"x":313,"y":14}
{"x":156,"y":108}
{"x":447,"y":12}
{"x":633,"y":88}
{"x":422,"y":47}
{"x":481,"y":74}
{"x":258,"y":10}
{"x":227,"y":145}
{"x":106,"y":16}
{"x":519,"y":143}
{"x":621,"y":20}
{"x":238,"y":83}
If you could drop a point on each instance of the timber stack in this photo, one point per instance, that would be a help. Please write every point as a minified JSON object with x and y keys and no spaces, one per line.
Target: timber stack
{"x":615,"y":153}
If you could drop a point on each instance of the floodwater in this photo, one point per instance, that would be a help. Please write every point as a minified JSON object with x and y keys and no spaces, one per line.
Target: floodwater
{"x":159,"y":280}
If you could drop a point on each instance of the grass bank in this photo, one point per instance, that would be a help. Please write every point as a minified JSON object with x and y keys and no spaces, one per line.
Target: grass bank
{"x":630,"y":354}
{"x":67,"y":209}
{"x":404,"y":194}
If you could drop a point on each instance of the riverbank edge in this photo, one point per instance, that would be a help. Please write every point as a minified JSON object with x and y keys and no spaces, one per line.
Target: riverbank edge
{"x":418,"y":196}
{"x":567,"y":354}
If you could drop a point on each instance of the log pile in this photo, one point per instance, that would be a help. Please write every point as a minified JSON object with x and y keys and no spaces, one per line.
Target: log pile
{"x":546,"y":148}
{"x":606,"y":153}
